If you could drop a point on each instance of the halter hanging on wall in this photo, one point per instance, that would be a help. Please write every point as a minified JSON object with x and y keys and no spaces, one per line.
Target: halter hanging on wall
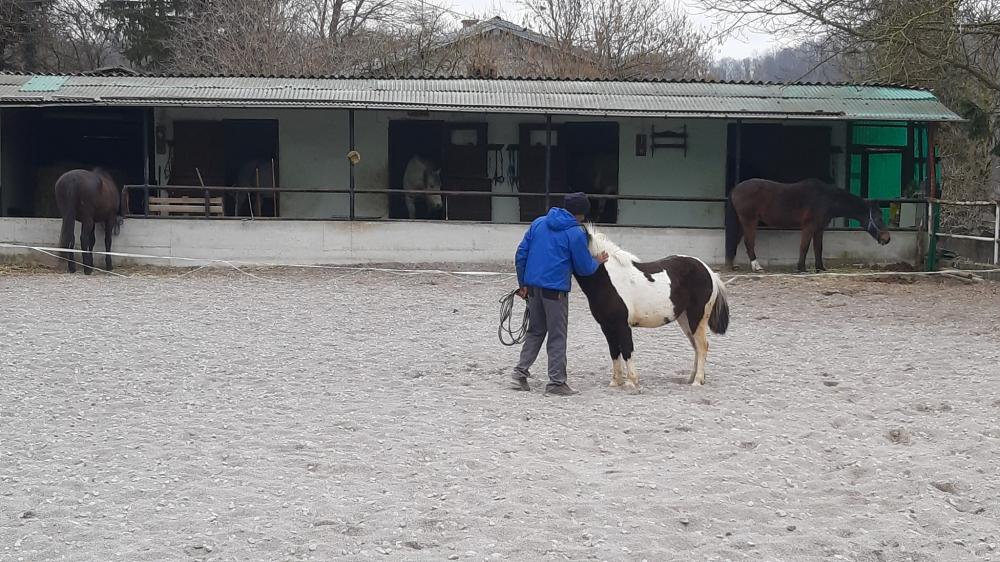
{"x":512,"y":164}
{"x":671,"y":139}
{"x":496,"y":150}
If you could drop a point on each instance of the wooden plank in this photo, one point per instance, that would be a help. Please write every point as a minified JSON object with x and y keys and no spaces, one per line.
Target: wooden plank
{"x":184,"y":200}
{"x":198,"y":209}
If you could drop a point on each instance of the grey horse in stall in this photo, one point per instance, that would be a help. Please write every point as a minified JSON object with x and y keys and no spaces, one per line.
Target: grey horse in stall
{"x":422,"y":178}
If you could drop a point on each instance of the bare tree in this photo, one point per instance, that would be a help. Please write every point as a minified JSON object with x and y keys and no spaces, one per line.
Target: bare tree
{"x":337,"y":20}
{"x":903,"y":37}
{"x":623,"y":38}
{"x":240,"y":37}
{"x":951,"y":46}
{"x":81,"y":41}
{"x":25,"y":27}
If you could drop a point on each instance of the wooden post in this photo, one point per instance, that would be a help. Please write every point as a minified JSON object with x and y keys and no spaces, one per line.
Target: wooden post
{"x":207,"y":196}
{"x":548,"y":162}
{"x":350,"y":132}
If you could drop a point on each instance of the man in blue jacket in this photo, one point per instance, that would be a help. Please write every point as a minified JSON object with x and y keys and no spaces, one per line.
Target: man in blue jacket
{"x":553,"y":248}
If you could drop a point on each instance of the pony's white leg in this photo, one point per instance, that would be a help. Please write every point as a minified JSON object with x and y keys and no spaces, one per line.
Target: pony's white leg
{"x":617,"y":376}
{"x":700,"y":352}
{"x":755,"y":266}
{"x":633,"y":376}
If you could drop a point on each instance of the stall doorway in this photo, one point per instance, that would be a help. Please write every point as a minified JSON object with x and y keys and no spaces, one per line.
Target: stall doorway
{"x":592,"y":165}
{"x":774,"y":152}
{"x":40,"y":144}
{"x":231,"y":152}
{"x":583,"y":157}
{"x":460,"y":150}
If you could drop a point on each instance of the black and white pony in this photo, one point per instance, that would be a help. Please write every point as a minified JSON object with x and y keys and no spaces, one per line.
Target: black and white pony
{"x":422,"y":179}
{"x":626,"y":293}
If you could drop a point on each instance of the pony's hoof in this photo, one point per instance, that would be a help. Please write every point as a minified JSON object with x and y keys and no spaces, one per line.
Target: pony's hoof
{"x":615,"y":384}
{"x":633,"y":388}
{"x":697,"y":382}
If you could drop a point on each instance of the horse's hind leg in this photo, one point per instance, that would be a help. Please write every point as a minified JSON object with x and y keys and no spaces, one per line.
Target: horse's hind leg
{"x":700,"y":341}
{"x":87,"y":246}
{"x":750,"y":240}
{"x":411,"y":206}
{"x":109,"y":228}
{"x":70,"y":256}
{"x":818,"y":249}
{"x":682,"y":321}
{"x":807,"y":236}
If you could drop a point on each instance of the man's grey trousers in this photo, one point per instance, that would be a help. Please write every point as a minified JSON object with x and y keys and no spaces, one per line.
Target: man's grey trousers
{"x":548,"y":315}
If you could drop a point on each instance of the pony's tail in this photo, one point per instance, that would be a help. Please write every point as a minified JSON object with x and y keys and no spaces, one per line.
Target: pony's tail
{"x":718,"y":320}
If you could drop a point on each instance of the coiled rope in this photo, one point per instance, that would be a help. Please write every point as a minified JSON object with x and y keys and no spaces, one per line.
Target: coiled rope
{"x":514,"y":335}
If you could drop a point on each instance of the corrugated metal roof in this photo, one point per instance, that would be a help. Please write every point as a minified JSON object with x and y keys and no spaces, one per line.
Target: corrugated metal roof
{"x":565,"y":97}
{"x":44,"y":84}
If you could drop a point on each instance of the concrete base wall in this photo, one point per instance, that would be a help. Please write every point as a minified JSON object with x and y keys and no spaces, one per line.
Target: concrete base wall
{"x":341,"y":242}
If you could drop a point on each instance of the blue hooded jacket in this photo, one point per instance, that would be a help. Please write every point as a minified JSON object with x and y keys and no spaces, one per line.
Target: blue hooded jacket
{"x":554,"y":247}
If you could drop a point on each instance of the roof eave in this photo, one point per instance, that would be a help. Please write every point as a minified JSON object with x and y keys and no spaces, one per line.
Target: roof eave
{"x":278,"y":104}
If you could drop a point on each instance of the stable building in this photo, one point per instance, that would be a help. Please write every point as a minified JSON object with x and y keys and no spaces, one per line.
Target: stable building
{"x":330,"y":152}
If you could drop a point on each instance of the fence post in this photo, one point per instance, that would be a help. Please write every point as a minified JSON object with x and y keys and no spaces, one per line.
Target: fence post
{"x":145,"y":160}
{"x":932,"y":194}
{"x":996,"y":236}
{"x":207,"y":199}
{"x":350,"y":163}
{"x":931,"y":264}
{"x":548,"y":162}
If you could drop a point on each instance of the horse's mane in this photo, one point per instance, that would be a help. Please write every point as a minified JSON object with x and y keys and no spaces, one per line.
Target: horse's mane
{"x":104,"y":174}
{"x":599,"y":242}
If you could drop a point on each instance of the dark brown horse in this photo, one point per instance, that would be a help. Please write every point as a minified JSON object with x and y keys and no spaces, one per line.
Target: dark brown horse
{"x":89,"y":197}
{"x":808,"y":205}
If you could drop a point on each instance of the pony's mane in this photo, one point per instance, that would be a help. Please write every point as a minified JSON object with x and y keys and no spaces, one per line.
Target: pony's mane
{"x":599,"y":242}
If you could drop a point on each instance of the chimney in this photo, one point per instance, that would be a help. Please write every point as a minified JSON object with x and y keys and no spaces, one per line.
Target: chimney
{"x":469,"y":23}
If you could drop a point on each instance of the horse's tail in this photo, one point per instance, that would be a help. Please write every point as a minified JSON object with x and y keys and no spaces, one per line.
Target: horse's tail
{"x":718,"y":320}
{"x":122,"y":206}
{"x":68,"y":225}
{"x":734,"y":230}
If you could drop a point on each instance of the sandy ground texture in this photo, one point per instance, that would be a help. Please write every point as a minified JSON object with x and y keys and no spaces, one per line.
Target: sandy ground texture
{"x":321,"y":415}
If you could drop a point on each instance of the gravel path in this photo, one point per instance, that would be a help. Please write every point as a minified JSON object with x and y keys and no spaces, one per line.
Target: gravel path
{"x":321,"y":415}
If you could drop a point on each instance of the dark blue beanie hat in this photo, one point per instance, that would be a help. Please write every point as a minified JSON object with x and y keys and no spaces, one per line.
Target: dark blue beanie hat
{"x":577,"y":203}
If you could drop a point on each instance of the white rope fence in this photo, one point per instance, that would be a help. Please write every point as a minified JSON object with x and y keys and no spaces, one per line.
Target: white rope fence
{"x":965,"y":274}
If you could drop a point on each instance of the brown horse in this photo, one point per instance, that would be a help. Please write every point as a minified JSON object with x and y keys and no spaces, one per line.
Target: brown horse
{"x":89,"y":197}
{"x":808,"y":205}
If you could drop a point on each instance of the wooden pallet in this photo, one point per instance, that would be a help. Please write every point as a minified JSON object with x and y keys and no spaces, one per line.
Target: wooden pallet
{"x":167,"y":206}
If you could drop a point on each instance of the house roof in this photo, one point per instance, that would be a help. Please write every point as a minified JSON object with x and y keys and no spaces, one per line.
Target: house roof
{"x":498,"y":24}
{"x":706,"y":99}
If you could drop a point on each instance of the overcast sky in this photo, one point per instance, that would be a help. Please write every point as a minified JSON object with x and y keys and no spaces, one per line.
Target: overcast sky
{"x":737,"y":47}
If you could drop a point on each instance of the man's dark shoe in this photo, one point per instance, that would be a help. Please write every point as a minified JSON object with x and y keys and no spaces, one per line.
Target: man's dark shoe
{"x":521,"y":383}
{"x":560,"y":390}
